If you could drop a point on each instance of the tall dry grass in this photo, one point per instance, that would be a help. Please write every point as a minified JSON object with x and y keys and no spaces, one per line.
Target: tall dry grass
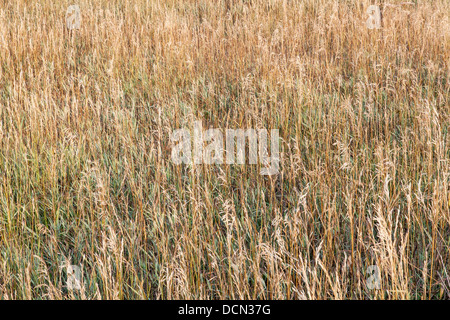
{"x":86,"y":176}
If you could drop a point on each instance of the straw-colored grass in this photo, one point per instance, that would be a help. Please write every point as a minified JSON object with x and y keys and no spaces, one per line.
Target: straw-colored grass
{"x":86,"y":175}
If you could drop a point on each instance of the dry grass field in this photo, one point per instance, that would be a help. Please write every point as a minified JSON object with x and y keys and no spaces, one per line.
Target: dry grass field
{"x":87,"y":179}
